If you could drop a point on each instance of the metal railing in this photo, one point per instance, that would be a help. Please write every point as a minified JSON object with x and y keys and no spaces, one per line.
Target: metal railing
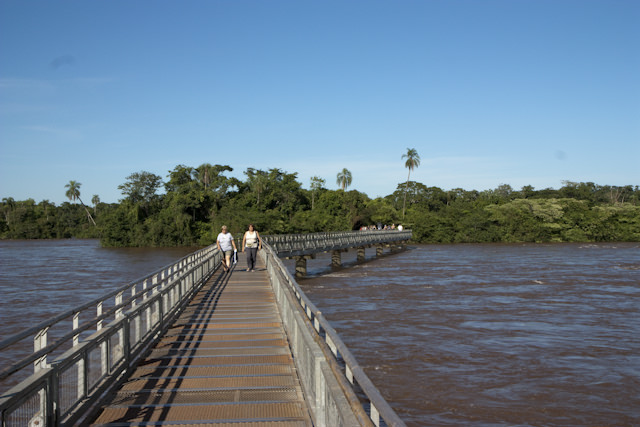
{"x":287,"y":245}
{"x":61,"y":391}
{"x":330,"y":375}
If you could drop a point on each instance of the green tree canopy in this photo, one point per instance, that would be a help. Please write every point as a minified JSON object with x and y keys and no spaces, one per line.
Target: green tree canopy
{"x":141,"y":187}
{"x":317,"y":184}
{"x":199,"y":200}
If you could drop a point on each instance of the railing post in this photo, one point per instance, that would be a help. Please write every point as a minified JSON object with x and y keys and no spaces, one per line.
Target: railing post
{"x":81,"y":386}
{"x":103,"y":345}
{"x":137,"y":321}
{"x":374,"y":415}
{"x":118,"y":301}
{"x":40,"y":342}
{"x":76,"y":323}
{"x":165,"y":295}
{"x":348,"y":373}
{"x":118,"y":352}
{"x":161,"y":308}
{"x":53,"y":401}
{"x":126,"y":339}
{"x":154,"y":284}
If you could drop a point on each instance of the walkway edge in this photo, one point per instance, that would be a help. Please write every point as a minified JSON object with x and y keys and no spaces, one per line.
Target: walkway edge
{"x":325,"y":379}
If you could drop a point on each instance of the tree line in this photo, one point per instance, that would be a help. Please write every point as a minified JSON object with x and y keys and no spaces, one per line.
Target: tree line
{"x":197,"y":201}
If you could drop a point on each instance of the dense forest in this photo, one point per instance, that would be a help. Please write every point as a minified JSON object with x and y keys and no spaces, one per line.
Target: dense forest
{"x":197,"y":201}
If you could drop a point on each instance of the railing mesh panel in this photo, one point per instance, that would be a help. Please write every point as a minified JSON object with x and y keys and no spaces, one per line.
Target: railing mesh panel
{"x":115,"y":344}
{"x":145,"y":317}
{"x":69,"y":386}
{"x":97,"y":365}
{"x":155,"y":314}
{"x":135,"y":332}
{"x":28,"y":413}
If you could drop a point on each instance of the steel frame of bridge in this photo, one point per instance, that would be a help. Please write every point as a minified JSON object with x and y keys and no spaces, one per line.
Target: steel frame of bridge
{"x":291,"y":245}
{"x":109,"y":335}
{"x":302,"y":247}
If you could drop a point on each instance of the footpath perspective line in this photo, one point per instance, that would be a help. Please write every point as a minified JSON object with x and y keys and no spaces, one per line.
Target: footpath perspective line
{"x":225,"y":361}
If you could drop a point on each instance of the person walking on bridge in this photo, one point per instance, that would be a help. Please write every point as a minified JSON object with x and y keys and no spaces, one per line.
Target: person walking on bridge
{"x":227,"y":246}
{"x":251,"y":242}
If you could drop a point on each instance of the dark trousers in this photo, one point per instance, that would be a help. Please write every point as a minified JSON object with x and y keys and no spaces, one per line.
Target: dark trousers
{"x":252,"y":253}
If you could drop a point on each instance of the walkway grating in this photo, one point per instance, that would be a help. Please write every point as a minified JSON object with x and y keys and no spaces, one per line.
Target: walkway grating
{"x":224,"y":362}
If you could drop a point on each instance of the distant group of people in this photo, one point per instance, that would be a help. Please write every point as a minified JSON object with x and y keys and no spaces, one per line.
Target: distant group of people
{"x":381,"y":227}
{"x":251,"y":243}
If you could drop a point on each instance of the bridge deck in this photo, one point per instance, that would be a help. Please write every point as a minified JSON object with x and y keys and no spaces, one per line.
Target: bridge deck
{"x":225,"y":361}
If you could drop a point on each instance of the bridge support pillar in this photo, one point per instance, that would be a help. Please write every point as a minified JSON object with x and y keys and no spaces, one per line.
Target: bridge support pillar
{"x":361,"y":253}
{"x":379,"y":250}
{"x":336,"y":258}
{"x":301,"y":264}
{"x":398,"y":246}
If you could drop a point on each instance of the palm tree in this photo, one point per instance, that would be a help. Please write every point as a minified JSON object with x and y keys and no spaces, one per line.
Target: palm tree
{"x":73,"y":193}
{"x":45,"y":206}
{"x":9,"y":205}
{"x":344,"y":179}
{"x":95,"y":200}
{"x":413,"y":161}
{"x":204,"y":173}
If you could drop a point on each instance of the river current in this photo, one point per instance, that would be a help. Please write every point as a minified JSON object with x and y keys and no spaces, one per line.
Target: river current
{"x":488,"y":335}
{"x":480,"y":335}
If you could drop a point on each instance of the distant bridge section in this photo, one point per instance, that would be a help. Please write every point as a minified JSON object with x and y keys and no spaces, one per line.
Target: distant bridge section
{"x":302,"y":247}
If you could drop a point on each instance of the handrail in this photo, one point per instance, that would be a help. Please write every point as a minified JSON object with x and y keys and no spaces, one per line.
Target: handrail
{"x":57,"y":318}
{"x":16,"y":366}
{"x":379,"y":407}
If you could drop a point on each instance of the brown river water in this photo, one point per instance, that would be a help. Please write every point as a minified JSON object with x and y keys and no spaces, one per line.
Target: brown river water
{"x":471,"y":335}
{"x":494,"y":335}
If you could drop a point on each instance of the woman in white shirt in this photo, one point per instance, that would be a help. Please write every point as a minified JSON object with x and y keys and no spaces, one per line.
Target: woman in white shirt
{"x":251,"y":242}
{"x":227,"y":246}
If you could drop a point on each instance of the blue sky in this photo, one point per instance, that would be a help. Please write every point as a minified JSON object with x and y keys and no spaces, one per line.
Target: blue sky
{"x":516,"y":92}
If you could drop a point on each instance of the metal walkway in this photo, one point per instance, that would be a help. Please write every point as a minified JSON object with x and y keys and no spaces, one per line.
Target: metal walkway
{"x":225,"y":361}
